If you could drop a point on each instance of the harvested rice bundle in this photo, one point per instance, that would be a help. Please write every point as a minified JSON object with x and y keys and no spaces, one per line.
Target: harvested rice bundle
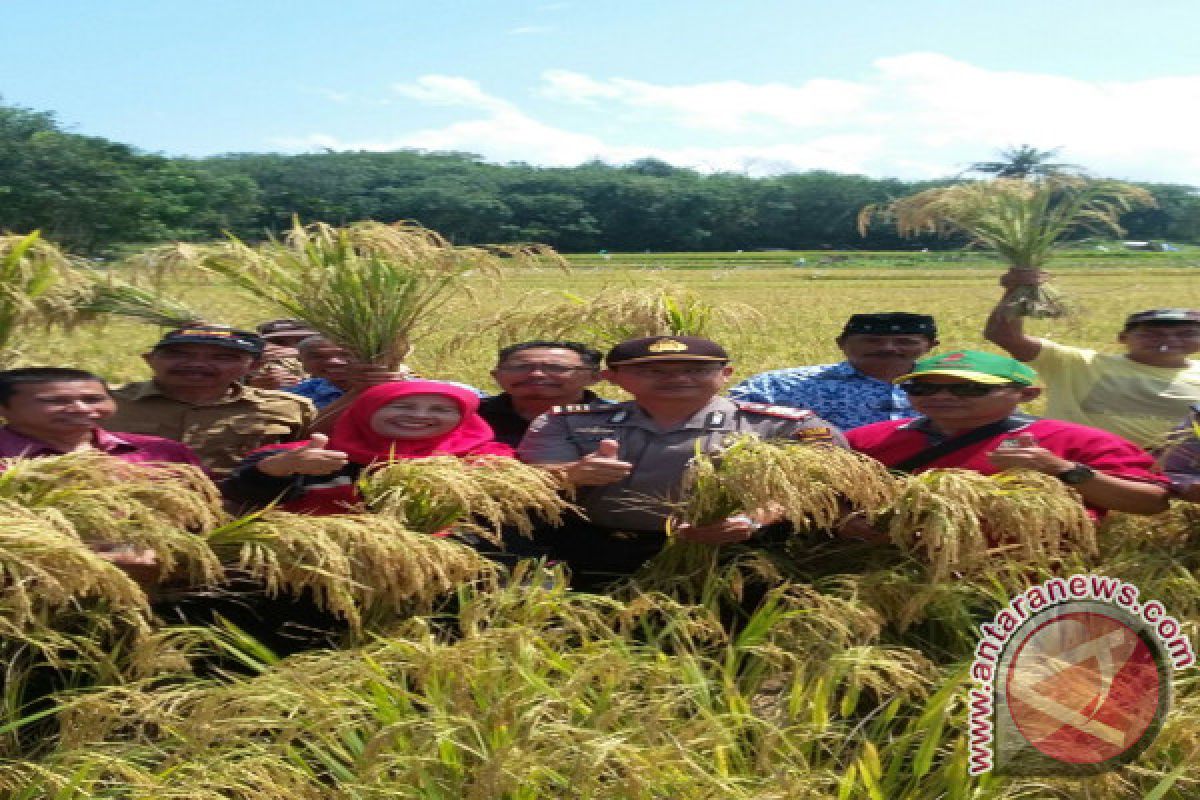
{"x":368,"y":286}
{"x":957,"y":519}
{"x":39,"y":284}
{"x":808,"y":484}
{"x":116,"y":298}
{"x":109,"y":501}
{"x":351,"y":563}
{"x":617,"y":314}
{"x":481,"y":495}
{"x":44,"y":566}
{"x":1019,"y":219}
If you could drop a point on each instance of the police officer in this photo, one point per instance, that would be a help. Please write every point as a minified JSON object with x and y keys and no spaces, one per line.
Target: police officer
{"x":627,"y":460}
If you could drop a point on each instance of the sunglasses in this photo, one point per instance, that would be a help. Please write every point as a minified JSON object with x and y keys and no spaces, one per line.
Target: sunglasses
{"x":925,"y":389}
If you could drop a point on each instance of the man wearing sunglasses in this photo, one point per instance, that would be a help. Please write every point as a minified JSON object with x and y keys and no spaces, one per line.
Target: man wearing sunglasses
{"x":626,"y":461}
{"x":968,"y":405}
{"x":537,"y":376}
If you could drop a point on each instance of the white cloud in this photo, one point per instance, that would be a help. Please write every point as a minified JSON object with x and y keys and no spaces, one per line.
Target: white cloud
{"x":531,"y":30}
{"x":917,"y":115}
{"x":723,"y":105}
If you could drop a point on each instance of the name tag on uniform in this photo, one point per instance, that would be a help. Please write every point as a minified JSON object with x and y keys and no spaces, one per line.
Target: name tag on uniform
{"x":599,"y":431}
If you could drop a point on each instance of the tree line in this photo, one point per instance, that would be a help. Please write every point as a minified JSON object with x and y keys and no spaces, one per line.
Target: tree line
{"x":94,"y":196}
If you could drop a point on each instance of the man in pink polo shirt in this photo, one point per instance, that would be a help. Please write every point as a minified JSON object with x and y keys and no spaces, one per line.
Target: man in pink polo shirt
{"x":50,"y":411}
{"x":968,"y":401}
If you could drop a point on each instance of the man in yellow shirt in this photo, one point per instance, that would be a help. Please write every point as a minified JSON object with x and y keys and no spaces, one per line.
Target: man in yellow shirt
{"x":1140,"y":394}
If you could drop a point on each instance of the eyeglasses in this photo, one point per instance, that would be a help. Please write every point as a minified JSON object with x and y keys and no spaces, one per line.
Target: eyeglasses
{"x":925,"y":389}
{"x":697,"y":371}
{"x":549,"y":369}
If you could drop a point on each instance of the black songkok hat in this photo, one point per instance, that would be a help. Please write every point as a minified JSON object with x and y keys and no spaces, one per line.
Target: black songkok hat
{"x":889,"y":322}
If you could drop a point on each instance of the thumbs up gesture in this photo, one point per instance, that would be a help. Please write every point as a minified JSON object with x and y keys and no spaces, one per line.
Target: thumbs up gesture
{"x":311,"y":459}
{"x":600,"y":467}
{"x":1023,"y":452}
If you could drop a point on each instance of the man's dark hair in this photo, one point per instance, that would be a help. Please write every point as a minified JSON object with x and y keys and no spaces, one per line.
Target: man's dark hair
{"x":10,"y":379}
{"x":589,"y":355}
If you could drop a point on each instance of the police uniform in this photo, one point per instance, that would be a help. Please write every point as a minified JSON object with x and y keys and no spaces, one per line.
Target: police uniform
{"x":626,"y":520}
{"x":222,"y":432}
{"x":640,"y":501}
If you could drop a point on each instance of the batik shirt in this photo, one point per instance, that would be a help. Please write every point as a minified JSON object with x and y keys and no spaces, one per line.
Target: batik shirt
{"x":838,"y":393}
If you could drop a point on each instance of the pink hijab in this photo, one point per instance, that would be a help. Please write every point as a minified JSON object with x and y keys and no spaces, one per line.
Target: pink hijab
{"x":352,"y":433}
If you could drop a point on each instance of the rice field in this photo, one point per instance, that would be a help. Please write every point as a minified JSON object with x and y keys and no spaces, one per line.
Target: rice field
{"x":814,"y":670}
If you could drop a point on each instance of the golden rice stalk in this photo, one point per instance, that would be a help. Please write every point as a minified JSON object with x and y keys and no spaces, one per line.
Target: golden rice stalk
{"x":116,"y":298}
{"x":808,"y":484}
{"x":1019,"y":219}
{"x":175,"y":260}
{"x":352,"y":564}
{"x":956,"y":520}
{"x":370,"y":287}
{"x":481,"y":495}
{"x":109,"y":501}
{"x":39,"y":284}
{"x":618,"y":313}
{"x":44,"y":566}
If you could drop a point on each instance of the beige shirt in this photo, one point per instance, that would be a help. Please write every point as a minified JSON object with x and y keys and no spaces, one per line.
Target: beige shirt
{"x":1136,"y":401}
{"x":641,"y":501}
{"x":220,"y":433}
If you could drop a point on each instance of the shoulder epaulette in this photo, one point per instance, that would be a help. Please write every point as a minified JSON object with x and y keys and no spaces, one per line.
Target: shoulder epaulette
{"x":784,"y":412}
{"x":582,"y":408}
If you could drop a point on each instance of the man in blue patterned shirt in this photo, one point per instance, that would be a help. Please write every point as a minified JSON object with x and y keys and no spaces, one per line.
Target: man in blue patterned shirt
{"x":859,"y":390}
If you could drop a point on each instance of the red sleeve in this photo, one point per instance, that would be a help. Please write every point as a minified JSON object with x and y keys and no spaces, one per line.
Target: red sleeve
{"x":1108,"y":453}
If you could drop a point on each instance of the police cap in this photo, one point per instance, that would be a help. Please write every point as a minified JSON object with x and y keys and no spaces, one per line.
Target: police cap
{"x":665,"y":348}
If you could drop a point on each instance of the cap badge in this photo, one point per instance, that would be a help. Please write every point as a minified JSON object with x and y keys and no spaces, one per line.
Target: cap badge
{"x":954,"y":357}
{"x":667,"y":346}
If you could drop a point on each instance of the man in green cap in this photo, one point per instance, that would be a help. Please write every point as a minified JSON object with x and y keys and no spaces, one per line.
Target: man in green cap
{"x":968,"y":404}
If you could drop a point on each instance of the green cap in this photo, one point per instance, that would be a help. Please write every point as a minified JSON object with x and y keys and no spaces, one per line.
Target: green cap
{"x":975,"y":366}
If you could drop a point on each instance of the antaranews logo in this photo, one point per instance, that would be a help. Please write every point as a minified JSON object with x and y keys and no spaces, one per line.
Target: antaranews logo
{"x":1073,"y":676}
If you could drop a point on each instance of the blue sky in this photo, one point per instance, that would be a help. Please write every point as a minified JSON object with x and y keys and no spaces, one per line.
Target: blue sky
{"x":909,"y":89}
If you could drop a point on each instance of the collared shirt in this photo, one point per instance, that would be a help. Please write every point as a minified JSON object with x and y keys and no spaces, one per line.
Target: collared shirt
{"x":642,"y":500}
{"x":837,"y":392}
{"x":320,"y":391}
{"x":507,"y":424}
{"x":126,"y":446}
{"x":221,"y":433}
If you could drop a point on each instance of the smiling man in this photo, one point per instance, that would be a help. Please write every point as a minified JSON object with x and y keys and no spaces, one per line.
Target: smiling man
{"x":968,"y":405}
{"x":196,"y":397}
{"x":859,"y":390}
{"x":535,"y":377}
{"x":626,"y":461}
{"x":1139,"y":394}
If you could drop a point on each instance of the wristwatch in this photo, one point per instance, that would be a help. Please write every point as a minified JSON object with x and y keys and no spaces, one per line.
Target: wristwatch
{"x":1077,"y":474}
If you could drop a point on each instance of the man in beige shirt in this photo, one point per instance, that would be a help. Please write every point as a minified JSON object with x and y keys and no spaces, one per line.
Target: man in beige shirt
{"x":196,"y":397}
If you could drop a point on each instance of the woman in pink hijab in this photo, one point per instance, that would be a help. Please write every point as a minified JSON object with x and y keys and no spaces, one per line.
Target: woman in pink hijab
{"x":408,"y":419}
